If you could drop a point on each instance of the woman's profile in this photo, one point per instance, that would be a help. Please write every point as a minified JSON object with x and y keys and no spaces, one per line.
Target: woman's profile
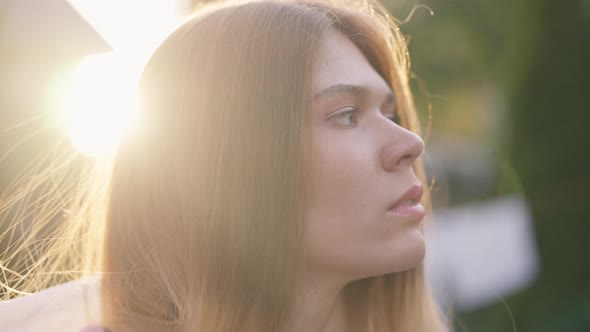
{"x":274,"y":184}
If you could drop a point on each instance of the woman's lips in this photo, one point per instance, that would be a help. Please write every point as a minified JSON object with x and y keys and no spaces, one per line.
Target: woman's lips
{"x":409,"y":209}
{"x":408,"y":205}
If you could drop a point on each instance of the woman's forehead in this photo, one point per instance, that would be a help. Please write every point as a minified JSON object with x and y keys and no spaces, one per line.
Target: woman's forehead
{"x":340,"y":62}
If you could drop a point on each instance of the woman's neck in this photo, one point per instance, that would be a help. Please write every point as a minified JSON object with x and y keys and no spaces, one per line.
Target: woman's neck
{"x":319,"y":307}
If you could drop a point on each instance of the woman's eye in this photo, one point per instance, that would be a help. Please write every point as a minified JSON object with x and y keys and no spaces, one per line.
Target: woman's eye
{"x":346,"y":118}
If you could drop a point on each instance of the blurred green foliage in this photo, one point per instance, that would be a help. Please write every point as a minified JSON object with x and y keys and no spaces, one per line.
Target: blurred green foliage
{"x":536,"y":55}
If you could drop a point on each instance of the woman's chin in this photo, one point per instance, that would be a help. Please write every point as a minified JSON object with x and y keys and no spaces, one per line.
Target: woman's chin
{"x":408,"y":254}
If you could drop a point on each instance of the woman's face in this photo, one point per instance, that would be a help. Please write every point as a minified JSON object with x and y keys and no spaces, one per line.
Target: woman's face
{"x":362,"y":166}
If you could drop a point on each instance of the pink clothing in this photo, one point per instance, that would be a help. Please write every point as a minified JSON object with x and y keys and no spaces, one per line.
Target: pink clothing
{"x":94,"y":328}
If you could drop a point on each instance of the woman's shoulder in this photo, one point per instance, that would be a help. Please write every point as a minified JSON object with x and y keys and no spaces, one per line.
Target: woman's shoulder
{"x":72,"y":306}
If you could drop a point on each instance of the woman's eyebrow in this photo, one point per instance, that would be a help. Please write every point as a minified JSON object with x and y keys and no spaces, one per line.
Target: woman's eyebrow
{"x":352,"y":89}
{"x":339,"y":89}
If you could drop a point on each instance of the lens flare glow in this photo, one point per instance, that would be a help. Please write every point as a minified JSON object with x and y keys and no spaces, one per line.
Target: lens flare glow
{"x":101,"y":102}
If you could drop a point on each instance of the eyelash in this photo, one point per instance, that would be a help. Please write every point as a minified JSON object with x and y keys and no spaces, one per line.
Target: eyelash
{"x":353,"y":111}
{"x":350,"y":111}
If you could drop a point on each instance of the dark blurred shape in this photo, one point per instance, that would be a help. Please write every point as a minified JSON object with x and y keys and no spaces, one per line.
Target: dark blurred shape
{"x":549,"y":148}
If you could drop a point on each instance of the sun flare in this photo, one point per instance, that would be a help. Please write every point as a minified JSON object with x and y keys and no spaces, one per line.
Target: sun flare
{"x":101,"y":102}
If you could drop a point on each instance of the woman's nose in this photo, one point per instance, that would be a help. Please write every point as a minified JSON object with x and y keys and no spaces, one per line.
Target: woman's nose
{"x":402,"y":151}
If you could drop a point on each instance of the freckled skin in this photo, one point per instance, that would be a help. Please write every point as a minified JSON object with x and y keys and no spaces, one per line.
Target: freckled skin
{"x":358,"y":172}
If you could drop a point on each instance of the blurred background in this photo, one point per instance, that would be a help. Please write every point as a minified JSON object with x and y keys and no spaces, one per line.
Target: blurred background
{"x":502,"y":88}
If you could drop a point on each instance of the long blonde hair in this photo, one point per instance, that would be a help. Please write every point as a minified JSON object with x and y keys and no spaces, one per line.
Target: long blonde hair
{"x":200,"y":225}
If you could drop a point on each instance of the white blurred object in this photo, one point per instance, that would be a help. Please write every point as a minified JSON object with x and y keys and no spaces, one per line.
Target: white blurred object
{"x":130,"y":26}
{"x":479,"y":253}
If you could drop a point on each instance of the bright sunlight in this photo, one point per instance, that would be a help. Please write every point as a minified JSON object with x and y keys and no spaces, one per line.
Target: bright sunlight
{"x":100,"y":104}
